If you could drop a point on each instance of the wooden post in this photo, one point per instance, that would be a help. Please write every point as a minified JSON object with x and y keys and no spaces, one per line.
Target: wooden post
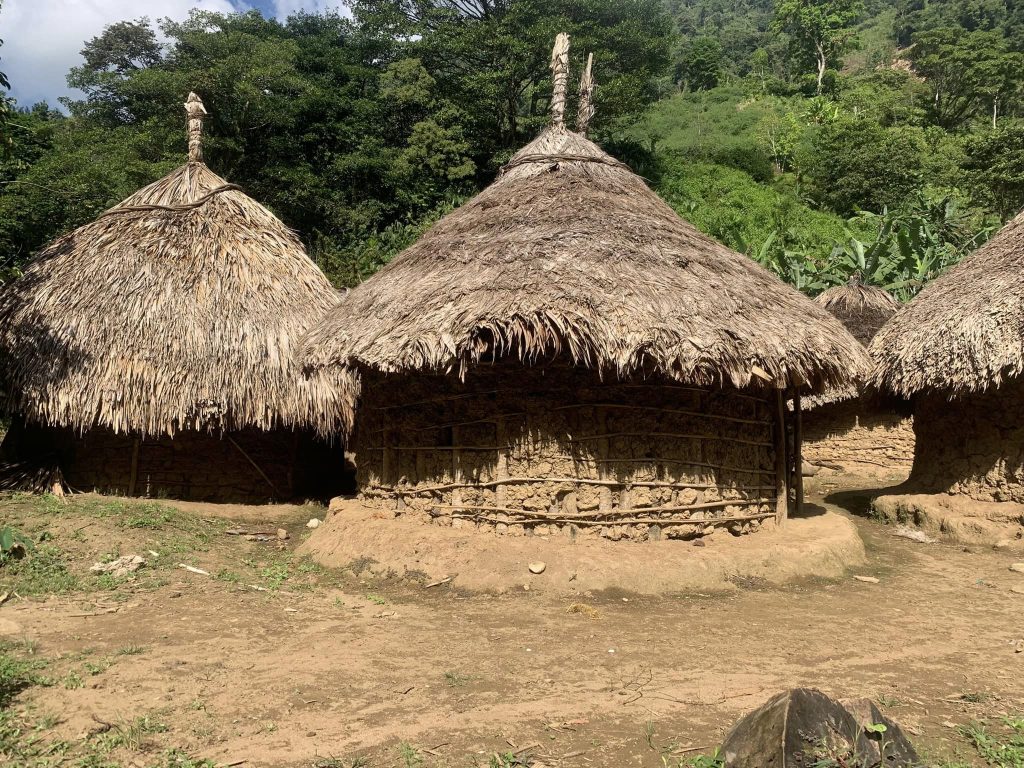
{"x":798,"y":452}
{"x":501,"y":464}
{"x":605,"y":493}
{"x":781,"y":465}
{"x":456,"y":468}
{"x":135,"y":466}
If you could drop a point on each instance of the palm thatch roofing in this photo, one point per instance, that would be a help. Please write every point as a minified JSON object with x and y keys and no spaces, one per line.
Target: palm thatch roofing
{"x":179,"y":308}
{"x":863,"y":309}
{"x":965,"y":331}
{"x":570,"y":252}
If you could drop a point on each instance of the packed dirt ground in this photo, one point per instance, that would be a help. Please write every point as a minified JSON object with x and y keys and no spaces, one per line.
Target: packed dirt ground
{"x":268,"y":659}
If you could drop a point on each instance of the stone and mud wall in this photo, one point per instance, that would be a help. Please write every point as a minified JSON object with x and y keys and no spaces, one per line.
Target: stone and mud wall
{"x":971,"y":446}
{"x":555,"y":450}
{"x":243,"y":467}
{"x":859,"y":435}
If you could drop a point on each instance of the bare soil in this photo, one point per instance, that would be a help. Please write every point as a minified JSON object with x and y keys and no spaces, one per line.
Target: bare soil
{"x":819,"y":543}
{"x":352,"y":663}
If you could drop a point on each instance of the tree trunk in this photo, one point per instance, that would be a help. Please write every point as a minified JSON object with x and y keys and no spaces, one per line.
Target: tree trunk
{"x":822,"y":62}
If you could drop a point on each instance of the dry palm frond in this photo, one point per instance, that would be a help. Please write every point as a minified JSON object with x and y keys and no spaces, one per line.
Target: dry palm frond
{"x":569,"y":252}
{"x":965,"y":331}
{"x":180,"y":308}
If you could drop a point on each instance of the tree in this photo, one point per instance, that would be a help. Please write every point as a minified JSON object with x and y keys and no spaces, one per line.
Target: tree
{"x":819,"y":31}
{"x":701,"y":64}
{"x":855,"y":164}
{"x":968,"y":74}
{"x":995,"y":162}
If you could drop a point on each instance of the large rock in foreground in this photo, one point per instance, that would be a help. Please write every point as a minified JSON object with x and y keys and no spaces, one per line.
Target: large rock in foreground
{"x":803,"y":727}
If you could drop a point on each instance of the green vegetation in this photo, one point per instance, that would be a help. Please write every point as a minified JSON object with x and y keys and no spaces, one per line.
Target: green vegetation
{"x":785,"y":128}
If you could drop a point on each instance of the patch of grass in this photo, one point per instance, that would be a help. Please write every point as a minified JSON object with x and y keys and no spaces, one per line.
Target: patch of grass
{"x":175,"y":758}
{"x":275,"y":575}
{"x":131,"y":734}
{"x":17,"y":674}
{"x":1001,"y":747}
{"x":44,"y":572}
{"x":376,"y":599}
{"x":231,"y":577}
{"x":409,"y":755}
{"x":457,"y":679}
{"x":131,"y":650}
{"x":72,"y":681}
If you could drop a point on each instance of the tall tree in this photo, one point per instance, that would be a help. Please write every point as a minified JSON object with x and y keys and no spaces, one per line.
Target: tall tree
{"x":820,"y":31}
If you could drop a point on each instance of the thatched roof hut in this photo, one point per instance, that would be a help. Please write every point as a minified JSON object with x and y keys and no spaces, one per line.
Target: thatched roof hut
{"x":957,"y":350}
{"x":863,"y":309}
{"x":177,"y":310}
{"x":845,"y":428}
{"x":569,"y":257}
{"x":963,"y":332}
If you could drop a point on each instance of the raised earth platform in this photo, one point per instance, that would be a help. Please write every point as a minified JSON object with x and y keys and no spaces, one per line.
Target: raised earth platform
{"x":822,"y":544}
{"x":957,"y":519}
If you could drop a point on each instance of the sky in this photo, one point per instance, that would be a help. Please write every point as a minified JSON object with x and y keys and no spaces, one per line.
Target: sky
{"x":43,"y":38}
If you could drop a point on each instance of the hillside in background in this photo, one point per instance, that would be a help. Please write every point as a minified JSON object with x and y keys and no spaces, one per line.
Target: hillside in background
{"x":820,"y":137}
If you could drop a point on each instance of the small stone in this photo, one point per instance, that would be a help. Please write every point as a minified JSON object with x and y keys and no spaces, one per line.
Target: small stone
{"x":1002,"y":544}
{"x":867,"y":579}
{"x":175,"y":594}
{"x":313,"y":523}
{"x":1017,"y":590}
{"x":699,"y":543}
{"x":1017,"y":567}
{"x":526,"y":587}
{"x":310,"y":734}
{"x":537,"y":567}
{"x":282,"y":534}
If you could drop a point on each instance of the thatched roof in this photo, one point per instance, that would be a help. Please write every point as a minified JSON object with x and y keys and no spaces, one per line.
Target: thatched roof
{"x":965,"y":331}
{"x":179,"y":308}
{"x":863,"y":309}
{"x":570,"y":252}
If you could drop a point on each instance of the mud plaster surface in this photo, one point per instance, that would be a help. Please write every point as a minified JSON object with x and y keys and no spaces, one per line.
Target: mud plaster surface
{"x":822,"y":544}
{"x":518,"y":448}
{"x":957,"y":519}
{"x":972,"y":446}
{"x":859,"y":436}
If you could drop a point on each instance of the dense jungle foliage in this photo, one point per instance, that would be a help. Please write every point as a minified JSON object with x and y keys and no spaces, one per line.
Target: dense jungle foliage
{"x":821,"y":137}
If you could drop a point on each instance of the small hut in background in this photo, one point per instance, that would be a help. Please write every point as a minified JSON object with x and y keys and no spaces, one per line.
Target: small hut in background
{"x":564,"y":353}
{"x":152,"y":351}
{"x":957,"y":350}
{"x":849,"y":429}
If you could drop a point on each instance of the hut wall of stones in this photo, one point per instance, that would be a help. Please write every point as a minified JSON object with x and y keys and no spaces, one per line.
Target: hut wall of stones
{"x":192,"y":466}
{"x":556,"y":449}
{"x":972,"y":445}
{"x":860,"y":434}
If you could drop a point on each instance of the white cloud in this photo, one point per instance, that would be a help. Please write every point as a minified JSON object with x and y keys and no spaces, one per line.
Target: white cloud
{"x":285,"y":8}
{"x":43,"y":38}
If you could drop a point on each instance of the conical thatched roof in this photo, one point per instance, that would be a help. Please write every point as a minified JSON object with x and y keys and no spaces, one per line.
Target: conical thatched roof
{"x":179,"y":308}
{"x":569,"y":251}
{"x":965,"y":331}
{"x":863,"y":309}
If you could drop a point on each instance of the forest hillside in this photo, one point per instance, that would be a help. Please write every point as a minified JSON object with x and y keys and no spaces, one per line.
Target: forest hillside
{"x":820,"y":137}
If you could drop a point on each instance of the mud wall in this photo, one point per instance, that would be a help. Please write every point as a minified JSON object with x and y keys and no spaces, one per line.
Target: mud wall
{"x":549,"y":450}
{"x":192,"y":466}
{"x":858,"y":434}
{"x":971,"y":446}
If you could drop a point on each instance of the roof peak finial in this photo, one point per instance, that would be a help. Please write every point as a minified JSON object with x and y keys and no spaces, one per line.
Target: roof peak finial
{"x":586,"y":111}
{"x":560,"y":78}
{"x":196,"y":112}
